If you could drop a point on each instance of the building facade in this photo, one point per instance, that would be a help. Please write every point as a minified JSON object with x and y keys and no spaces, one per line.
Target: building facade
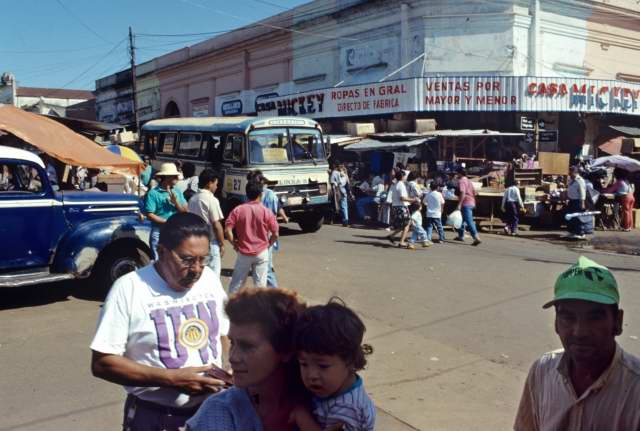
{"x":59,"y":102}
{"x":571,"y":66}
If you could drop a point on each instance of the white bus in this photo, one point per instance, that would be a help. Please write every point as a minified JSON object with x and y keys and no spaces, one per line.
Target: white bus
{"x":290,"y":152}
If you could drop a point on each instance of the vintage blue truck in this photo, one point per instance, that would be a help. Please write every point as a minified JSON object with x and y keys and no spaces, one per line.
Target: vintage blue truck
{"x":48,"y":236}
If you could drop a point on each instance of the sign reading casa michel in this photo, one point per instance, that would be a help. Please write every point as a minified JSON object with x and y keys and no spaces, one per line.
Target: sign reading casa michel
{"x":461,"y":93}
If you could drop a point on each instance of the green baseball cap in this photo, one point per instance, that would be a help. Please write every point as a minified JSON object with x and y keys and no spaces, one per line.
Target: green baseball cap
{"x":587,"y":281}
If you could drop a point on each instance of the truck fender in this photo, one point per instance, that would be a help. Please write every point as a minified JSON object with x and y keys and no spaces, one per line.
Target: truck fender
{"x":80,"y":249}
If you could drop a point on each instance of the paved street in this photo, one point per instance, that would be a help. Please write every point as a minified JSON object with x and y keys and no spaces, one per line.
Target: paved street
{"x":454,"y":329}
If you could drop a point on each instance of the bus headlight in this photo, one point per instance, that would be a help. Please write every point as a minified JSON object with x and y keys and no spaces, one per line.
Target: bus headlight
{"x":323,"y":189}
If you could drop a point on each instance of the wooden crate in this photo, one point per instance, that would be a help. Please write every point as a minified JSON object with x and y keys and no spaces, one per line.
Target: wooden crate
{"x":554,"y":163}
{"x":528,"y":177}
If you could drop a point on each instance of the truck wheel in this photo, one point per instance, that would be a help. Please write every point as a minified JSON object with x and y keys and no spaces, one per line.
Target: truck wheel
{"x":311,"y":222}
{"x":115,"y":263}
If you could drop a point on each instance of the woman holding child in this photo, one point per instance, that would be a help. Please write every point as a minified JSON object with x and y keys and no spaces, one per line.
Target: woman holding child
{"x":274,"y":339}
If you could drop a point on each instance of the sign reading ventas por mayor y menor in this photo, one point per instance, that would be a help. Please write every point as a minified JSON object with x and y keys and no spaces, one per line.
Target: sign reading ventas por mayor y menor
{"x":478,"y":94}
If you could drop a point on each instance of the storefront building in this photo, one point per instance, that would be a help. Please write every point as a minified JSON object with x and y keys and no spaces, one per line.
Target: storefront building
{"x":561,"y":69}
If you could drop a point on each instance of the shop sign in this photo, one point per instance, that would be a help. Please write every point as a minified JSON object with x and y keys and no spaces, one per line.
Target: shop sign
{"x":200,"y":111}
{"x":460,"y":93}
{"x":526,"y":123}
{"x":260,"y":100}
{"x":548,"y":137}
{"x":231,"y":107}
{"x":371,"y":99}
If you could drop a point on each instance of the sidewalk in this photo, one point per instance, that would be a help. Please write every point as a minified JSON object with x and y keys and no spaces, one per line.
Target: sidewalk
{"x":614,"y":241}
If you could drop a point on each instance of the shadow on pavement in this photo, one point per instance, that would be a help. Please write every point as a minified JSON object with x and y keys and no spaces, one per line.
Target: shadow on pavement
{"x":614,"y":268}
{"x":287,"y":231}
{"x":48,"y":293}
{"x":375,"y":244}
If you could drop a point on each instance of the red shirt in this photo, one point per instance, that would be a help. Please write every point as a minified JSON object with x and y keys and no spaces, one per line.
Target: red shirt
{"x":254,"y":224}
{"x":467,"y":192}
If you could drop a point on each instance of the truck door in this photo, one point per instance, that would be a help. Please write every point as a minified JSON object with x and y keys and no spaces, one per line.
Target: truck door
{"x":32,"y":219}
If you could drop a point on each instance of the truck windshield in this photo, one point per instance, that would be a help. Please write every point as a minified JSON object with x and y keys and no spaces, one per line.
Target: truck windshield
{"x":269,"y":146}
{"x":306,"y":144}
{"x":272,"y":145}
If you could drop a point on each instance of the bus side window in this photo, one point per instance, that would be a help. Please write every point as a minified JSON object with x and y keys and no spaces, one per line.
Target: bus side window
{"x":212,"y":149}
{"x":189,"y":145}
{"x":150,"y":144}
{"x":233,"y":148}
{"x":167,"y":143}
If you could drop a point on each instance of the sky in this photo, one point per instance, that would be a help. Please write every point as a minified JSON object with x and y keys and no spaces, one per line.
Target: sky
{"x":71,"y":43}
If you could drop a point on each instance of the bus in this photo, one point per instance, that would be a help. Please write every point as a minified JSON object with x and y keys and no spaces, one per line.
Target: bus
{"x":290,"y":152}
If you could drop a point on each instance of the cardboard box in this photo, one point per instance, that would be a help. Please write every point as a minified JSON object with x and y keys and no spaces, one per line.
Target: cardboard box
{"x":554,"y":163}
{"x":426,"y":125}
{"x":629,"y":145}
{"x":549,"y":187}
{"x":400,"y":126}
{"x":360,"y":129}
{"x":636,"y":218}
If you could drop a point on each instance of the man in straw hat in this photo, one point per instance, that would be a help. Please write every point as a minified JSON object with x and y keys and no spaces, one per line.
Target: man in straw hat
{"x":162,"y":202}
{"x":591,"y":384}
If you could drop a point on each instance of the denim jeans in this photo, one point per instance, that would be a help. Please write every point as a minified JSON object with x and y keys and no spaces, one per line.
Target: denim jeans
{"x":154,"y":238}
{"x":245,"y":263}
{"x":437,"y":222}
{"x":363,"y":204}
{"x":214,"y":251}
{"x":575,"y":225}
{"x":344,"y":209}
{"x":272,"y":281}
{"x":467,"y":221}
{"x":418,"y":234}
{"x":511,"y":216}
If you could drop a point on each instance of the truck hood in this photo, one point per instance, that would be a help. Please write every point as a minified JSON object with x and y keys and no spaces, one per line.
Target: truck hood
{"x":99,"y":200}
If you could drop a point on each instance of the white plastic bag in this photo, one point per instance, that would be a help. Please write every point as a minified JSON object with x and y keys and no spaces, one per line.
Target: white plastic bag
{"x":455,"y":219}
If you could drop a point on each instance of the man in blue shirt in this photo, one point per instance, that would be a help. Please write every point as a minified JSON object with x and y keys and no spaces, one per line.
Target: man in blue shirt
{"x":162,"y":202}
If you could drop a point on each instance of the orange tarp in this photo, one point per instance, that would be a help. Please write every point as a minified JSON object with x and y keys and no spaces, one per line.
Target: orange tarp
{"x":60,"y":142}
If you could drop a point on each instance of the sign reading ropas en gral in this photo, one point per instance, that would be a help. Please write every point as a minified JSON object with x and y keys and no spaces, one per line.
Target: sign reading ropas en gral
{"x":461,"y":94}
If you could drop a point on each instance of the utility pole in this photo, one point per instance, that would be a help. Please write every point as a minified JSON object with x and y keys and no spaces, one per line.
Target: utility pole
{"x":134,"y":91}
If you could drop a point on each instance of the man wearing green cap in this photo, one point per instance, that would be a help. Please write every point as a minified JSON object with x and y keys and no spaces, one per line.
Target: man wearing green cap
{"x":591,"y":384}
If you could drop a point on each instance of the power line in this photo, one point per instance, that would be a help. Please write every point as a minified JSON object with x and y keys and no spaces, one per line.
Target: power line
{"x":70,"y":12}
{"x":52,"y":51}
{"x":181,"y":34}
{"x":270,"y":4}
{"x":84,"y":72}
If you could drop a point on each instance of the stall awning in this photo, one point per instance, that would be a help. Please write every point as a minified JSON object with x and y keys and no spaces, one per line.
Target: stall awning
{"x":631,"y":131}
{"x":59,"y":141}
{"x":376,"y":145}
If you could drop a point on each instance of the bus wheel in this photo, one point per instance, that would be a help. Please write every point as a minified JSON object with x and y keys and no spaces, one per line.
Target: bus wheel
{"x":311,"y":222}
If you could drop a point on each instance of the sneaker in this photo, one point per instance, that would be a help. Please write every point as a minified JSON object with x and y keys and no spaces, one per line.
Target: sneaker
{"x":458,"y":239}
{"x":506,"y":230}
{"x":387,"y":229}
{"x":427,"y":244}
{"x":410,"y":246}
{"x":580,"y":237}
{"x":476,"y":242}
{"x":514,"y":233}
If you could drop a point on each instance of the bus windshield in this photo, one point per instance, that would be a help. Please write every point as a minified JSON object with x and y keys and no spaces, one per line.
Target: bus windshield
{"x":272,"y":145}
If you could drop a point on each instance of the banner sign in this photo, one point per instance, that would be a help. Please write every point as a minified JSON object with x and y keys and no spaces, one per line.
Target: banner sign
{"x":461,"y":93}
{"x":368,"y":99}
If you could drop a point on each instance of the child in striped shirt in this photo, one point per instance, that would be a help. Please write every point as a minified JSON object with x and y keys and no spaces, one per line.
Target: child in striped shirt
{"x":328,"y":339}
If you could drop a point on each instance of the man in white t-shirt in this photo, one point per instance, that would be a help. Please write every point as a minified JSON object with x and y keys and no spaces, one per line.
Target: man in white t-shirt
{"x":162,"y":328}
{"x":206,"y":205}
{"x":434,"y":201}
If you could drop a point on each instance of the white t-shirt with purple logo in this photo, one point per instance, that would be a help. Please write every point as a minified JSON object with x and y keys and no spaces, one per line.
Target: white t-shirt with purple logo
{"x":143,"y":319}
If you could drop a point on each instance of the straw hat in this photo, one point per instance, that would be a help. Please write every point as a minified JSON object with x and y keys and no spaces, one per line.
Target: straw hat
{"x":168,"y":170}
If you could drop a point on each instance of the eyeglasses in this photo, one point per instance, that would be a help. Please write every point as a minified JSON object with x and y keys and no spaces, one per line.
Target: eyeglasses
{"x":190,"y":261}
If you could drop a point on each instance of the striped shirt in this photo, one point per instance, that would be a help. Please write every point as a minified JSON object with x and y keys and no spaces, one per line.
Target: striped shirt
{"x":352,"y":408}
{"x":549,"y":402}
